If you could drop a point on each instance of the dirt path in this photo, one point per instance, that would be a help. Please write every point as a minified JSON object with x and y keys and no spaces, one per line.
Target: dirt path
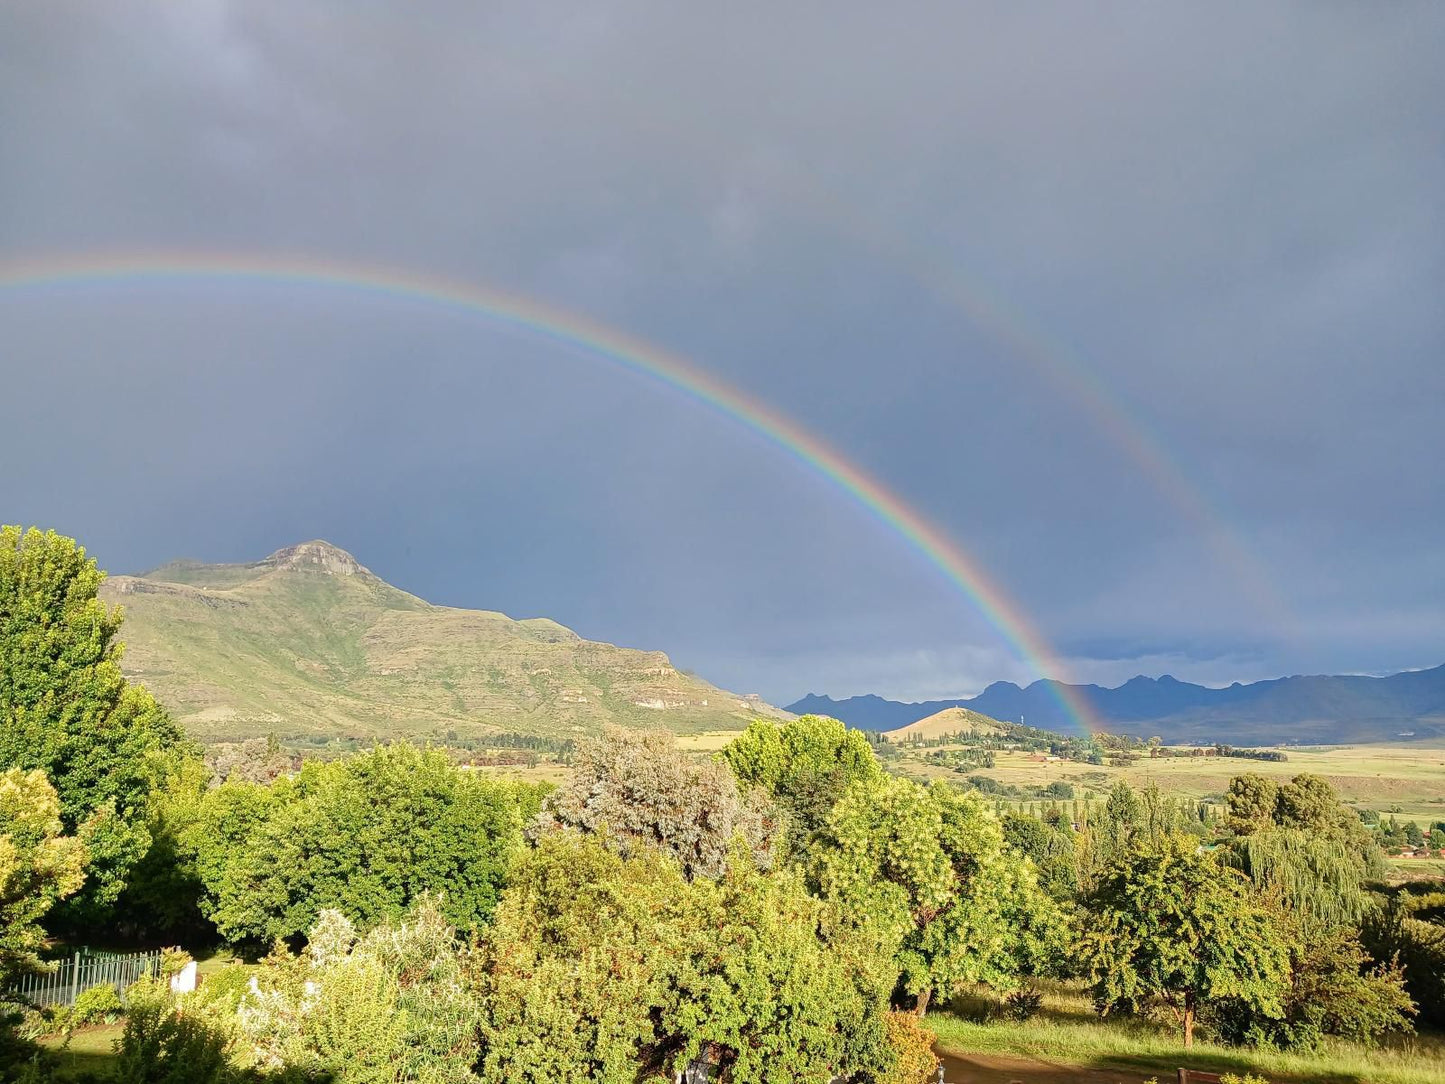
{"x":1006,"y":1068}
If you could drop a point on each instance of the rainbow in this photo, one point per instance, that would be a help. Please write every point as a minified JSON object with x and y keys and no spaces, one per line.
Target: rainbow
{"x":603,"y":343}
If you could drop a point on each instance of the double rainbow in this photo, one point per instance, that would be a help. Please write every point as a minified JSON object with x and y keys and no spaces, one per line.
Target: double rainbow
{"x":600,"y":342}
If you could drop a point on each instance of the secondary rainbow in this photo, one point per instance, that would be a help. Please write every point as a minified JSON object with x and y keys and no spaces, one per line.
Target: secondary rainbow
{"x":598,"y":341}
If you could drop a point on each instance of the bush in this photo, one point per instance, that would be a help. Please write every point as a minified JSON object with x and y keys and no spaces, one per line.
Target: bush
{"x":912,"y":1047}
{"x":225,"y":988}
{"x":1023,"y":1005}
{"x":162,"y":1045}
{"x":98,"y":1005}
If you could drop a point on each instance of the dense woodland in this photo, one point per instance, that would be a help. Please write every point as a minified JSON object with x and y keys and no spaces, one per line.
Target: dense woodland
{"x":785,"y":911}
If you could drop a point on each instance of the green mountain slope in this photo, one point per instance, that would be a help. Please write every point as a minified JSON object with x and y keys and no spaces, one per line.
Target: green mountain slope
{"x":309,"y":644}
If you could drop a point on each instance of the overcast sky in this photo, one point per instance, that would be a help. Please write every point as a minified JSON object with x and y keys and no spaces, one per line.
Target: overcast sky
{"x":1141,"y":305}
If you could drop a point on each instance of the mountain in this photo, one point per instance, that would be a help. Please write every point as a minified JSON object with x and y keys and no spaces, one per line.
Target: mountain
{"x":1341,"y":708}
{"x":310,"y":644}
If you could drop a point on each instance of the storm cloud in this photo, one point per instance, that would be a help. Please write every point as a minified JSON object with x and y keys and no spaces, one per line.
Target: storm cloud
{"x":1140,"y":305}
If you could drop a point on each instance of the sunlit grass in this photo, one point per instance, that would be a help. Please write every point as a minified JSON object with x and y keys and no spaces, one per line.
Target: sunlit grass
{"x":1067,"y":1030}
{"x":90,"y":1050}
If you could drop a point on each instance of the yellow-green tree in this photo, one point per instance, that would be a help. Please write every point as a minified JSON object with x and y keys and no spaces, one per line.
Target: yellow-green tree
{"x":66,"y":709}
{"x":925,"y":870}
{"x":613,"y":970}
{"x":805,"y":764}
{"x":39,"y":866}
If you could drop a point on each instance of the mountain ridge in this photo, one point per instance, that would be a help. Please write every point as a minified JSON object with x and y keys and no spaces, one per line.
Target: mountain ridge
{"x":1299,"y":708}
{"x":310,"y":644}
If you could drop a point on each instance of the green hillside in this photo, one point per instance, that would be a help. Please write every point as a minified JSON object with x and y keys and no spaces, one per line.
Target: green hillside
{"x":309,"y":644}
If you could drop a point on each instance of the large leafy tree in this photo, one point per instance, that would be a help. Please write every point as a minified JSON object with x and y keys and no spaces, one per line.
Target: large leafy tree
{"x":1175,"y":927}
{"x":367,"y":836}
{"x":926,"y":870}
{"x":39,"y":866}
{"x":805,"y":764}
{"x":66,"y":709}
{"x":614,"y":969}
{"x":1300,"y":841}
{"x":638,"y":791}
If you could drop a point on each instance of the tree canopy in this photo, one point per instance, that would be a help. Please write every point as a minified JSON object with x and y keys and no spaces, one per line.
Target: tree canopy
{"x":637,"y":790}
{"x":66,"y":709}
{"x":805,"y":764}
{"x":927,"y":870}
{"x":1175,"y":927}
{"x":39,"y":866}
{"x":366,"y":836}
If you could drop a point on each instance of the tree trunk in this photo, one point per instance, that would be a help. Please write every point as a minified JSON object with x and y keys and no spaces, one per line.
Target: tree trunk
{"x":1188,"y":1028}
{"x":924,"y":997}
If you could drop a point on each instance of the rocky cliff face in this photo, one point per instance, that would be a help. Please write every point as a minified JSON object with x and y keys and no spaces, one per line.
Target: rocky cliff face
{"x":317,"y":556}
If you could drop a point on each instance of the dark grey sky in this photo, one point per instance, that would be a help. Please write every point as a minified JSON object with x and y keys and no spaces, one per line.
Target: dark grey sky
{"x":1227,"y":218}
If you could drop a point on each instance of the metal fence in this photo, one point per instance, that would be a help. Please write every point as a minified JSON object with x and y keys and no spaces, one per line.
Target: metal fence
{"x":82,"y":972}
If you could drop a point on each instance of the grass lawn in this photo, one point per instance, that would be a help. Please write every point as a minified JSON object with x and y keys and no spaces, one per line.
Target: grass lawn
{"x":1066,"y":1030}
{"x":89,"y":1051}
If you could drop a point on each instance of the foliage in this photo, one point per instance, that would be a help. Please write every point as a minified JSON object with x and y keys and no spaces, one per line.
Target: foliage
{"x":805,"y":764}
{"x":1050,"y":847}
{"x":65,"y":708}
{"x":604,"y":968}
{"x":393,"y":1005}
{"x":162,"y":1044}
{"x":926,"y":871}
{"x":38,"y":867}
{"x":914,"y":1061}
{"x":1332,"y":991}
{"x":1174,"y":927}
{"x":1023,"y":1004}
{"x":638,"y":791}
{"x":1392,"y":936}
{"x":368,"y":835}
{"x":1301,"y":842}
{"x":97,"y":1005}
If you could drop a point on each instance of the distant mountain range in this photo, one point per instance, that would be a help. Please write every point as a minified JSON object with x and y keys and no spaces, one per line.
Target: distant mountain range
{"x":309,"y":644}
{"x":1299,"y":709}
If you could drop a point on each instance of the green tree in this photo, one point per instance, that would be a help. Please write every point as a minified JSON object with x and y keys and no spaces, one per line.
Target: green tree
{"x":926,"y":872}
{"x":1250,"y":802}
{"x":39,"y":866}
{"x":66,"y":709}
{"x":367,"y":836}
{"x":805,"y":764}
{"x":1308,"y":847}
{"x":1175,"y":927}
{"x":1050,"y":847}
{"x":1332,"y":990}
{"x":1123,"y":821}
{"x":637,"y":790}
{"x":614,"y":969}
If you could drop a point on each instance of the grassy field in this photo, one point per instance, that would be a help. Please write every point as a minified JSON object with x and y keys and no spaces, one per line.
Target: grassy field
{"x":1066,"y":1030}
{"x":1404,"y":778}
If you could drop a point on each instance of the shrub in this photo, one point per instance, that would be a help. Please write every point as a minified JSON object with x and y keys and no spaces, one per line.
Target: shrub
{"x":98,"y":1005}
{"x":1023,"y":1005}
{"x":173,"y":962}
{"x":163,"y":1045}
{"x":912,"y":1047}
{"x":225,"y":988}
